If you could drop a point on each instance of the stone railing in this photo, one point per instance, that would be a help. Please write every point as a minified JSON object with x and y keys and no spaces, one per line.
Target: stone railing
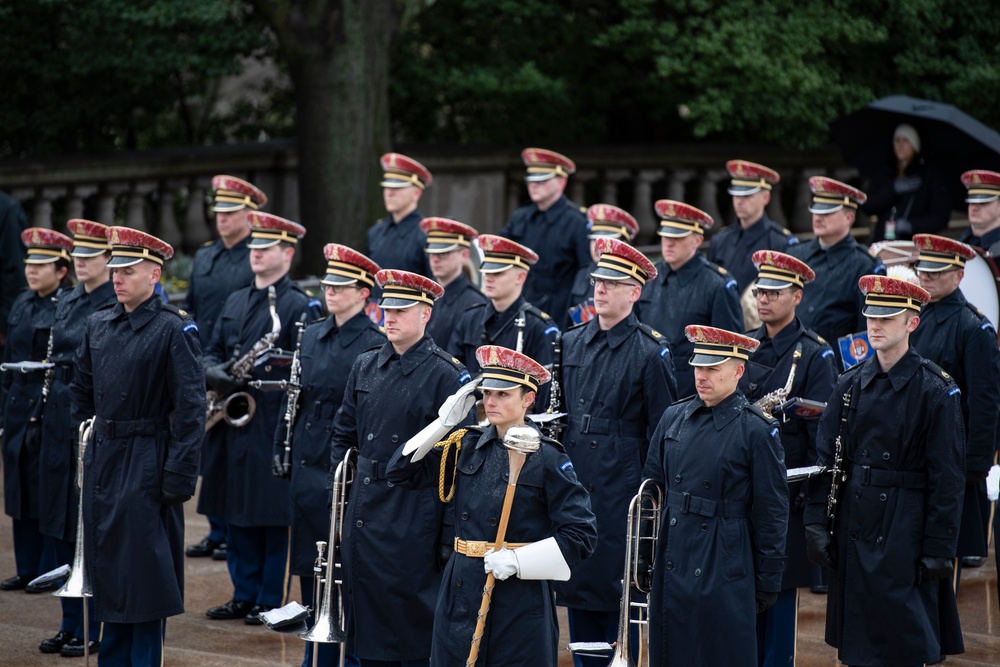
{"x":166,"y":192}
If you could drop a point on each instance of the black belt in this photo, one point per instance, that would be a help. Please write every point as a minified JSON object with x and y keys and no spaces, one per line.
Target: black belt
{"x":64,"y":374}
{"x":598,"y":426}
{"x":728,"y":509}
{"x":113,"y":429}
{"x":903,"y":479}
{"x":371,"y":469}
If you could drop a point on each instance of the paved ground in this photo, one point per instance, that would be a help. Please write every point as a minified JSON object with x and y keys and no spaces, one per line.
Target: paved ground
{"x":192,"y":639}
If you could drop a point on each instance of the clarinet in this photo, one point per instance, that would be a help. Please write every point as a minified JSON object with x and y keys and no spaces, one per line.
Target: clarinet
{"x":519,"y":324}
{"x":839,"y":470}
{"x":282,"y":468}
{"x":554,"y":428}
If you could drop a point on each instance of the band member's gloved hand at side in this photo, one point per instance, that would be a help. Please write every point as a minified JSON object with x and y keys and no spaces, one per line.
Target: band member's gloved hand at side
{"x":933,"y":568}
{"x":501,"y":563}
{"x":167,"y":498}
{"x":765,"y":600}
{"x":993,"y":483}
{"x":217,"y":377}
{"x":819,"y":546}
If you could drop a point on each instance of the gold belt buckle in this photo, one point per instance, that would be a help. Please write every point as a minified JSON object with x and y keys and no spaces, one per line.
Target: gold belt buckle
{"x":477,"y":549}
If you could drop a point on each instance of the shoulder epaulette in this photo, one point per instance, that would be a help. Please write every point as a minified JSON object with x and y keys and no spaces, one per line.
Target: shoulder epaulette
{"x":785,"y":231}
{"x":538,"y":312}
{"x":976,"y":310}
{"x":717,"y":268}
{"x":752,"y":407}
{"x":654,"y":334}
{"x":815,"y":336}
{"x":481,"y":304}
{"x":458,"y":365}
{"x":686,"y":399}
{"x":555,"y":443}
{"x":207,"y":244}
{"x":373,"y":348}
{"x":108,"y":305}
{"x":578,"y":325}
{"x":171,"y":308}
{"x":937,"y":370}
{"x":851,"y":369}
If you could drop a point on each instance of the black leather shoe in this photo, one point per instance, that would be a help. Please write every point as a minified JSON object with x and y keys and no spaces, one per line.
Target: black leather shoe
{"x":47,"y":587}
{"x":220,"y":552}
{"x":202,"y":549}
{"x":973,"y":561}
{"x":819,"y":589}
{"x":231,"y":610}
{"x":15,"y":583}
{"x":253,"y":617}
{"x":53,"y":644}
{"x":74,"y":648}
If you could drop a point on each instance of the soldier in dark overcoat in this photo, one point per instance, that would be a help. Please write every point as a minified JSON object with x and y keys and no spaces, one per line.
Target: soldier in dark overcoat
{"x":792,"y":363}
{"x":328,"y":351}
{"x":617,"y":379}
{"x":721,"y":542}
{"x":46,"y":267}
{"x":603,"y":221}
{"x":394,"y":538}
{"x":139,"y":374}
{"x":895,"y":421}
{"x":396,"y":240}
{"x":983,"y":198}
{"x":448,"y":245}
{"x":59,"y":497}
{"x":688,"y":289}
{"x":549,"y":527}
{"x":256,"y":507}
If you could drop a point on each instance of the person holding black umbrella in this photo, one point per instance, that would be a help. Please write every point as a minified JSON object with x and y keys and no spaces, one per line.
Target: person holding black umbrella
{"x":907,"y":194}
{"x":983,"y":198}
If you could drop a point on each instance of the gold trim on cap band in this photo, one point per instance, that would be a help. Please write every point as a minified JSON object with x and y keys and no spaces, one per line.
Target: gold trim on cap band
{"x":55,"y":253}
{"x":504,"y":258}
{"x":274,"y":235}
{"x":622,"y":265}
{"x":984,"y":190}
{"x":751,"y":184}
{"x":720,"y":350}
{"x":448,"y":237}
{"x":412,"y":179}
{"x":892,"y":301}
{"x":774,"y":273}
{"x":136,"y":252}
{"x":686,"y":225}
{"x":829,"y":199}
{"x":352,"y":271}
{"x":605,"y":226}
{"x":406,"y":293}
{"x":941,"y":258}
{"x":510,"y":375}
{"x":554,"y":169}
{"x":231,"y":197}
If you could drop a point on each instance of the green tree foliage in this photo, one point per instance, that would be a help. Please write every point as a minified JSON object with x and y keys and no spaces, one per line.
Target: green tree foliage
{"x":567,"y":71}
{"x":89,"y":75}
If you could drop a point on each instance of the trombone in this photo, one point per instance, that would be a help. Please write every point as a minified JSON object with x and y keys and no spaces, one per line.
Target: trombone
{"x":643,"y":532}
{"x":330,"y":626}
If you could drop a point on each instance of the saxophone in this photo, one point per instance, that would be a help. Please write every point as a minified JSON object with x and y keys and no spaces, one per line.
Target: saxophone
{"x":768,"y":402}
{"x":239,"y":407}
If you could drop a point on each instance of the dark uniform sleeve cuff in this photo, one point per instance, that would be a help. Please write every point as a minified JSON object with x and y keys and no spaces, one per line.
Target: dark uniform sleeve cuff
{"x":940,"y":540}
{"x":182,"y":485}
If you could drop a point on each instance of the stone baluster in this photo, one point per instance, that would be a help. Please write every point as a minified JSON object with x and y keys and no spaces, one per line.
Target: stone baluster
{"x":801,"y":217}
{"x":515,"y":186}
{"x":75,"y":199}
{"x":609,"y":187}
{"x":708,"y":192}
{"x":106,"y":205}
{"x":42,"y":214}
{"x":578,"y":186}
{"x":775,"y":210}
{"x":135,"y":208}
{"x":642,"y":202}
{"x":678,"y":183}
{"x":167,"y":228}
{"x":196,"y":226}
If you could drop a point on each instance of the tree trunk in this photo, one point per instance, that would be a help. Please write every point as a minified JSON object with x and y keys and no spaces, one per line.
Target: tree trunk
{"x":338,"y":56}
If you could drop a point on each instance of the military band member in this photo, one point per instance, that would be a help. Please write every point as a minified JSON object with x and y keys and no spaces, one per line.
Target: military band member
{"x":983,"y":198}
{"x":46,"y":267}
{"x":688,"y":288}
{"x":448,"y":244}
{"x":955,"y":335}
{"x":617,"y":379}
{"x":139,"y":373}
{"x":59,"y":497}
{"x":550,"y":528}
{"x":788,"y":352}
{"x":507,"y":319}
{"x":329,"y":348}
{"x":393,"y":537}
{"x":721,"y":546}
{"x":603,"y":221}
{"x":732,"y":247}
{"x":831,"y":305}
{"x":255,"y":504}
{"x":397,"y":240}
{"x":220,"y":268}
{"x":891,"y":600}
{"x":554,"y":227}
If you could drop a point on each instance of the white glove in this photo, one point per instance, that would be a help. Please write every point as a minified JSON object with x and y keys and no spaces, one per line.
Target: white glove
{"x":993,"y":483}
{"x":457,"y":406}
{"x":502,"y":564}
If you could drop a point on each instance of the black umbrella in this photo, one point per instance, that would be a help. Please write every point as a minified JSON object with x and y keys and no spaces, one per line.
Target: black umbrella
{"x":951,"y":140}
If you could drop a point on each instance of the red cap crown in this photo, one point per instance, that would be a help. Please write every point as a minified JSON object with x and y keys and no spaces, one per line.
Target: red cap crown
{"x":544,"y":164}
{"x":680,"y":219}
{"x":885,"y":296}
{"x":130,"y":246}
{"x":89,"y":238}
{"x":445,"y":234}
{"x":233,"y":194}
{"x":983,"y":186}
{"x":713,"y":346}
{"x":608,"y":220}
{"x":503,"y":366}
{"x":345,"y":265}
{"x":267,"y":230}
{"x":938,"y":253}
{"x":402,"y":286}
{"x":401,"y":171}
{"x":778,"y":270}
{"x":500,"y":254}
{"x":619,"y":260}
{"x":830,"y":195}
{"x":45,"y":245}
{"x":750,"y":177}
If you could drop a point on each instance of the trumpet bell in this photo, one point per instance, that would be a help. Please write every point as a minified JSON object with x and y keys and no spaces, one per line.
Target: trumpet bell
{"x":77,"y":585}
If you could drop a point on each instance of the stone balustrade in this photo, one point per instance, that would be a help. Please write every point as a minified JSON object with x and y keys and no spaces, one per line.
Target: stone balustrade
{"x":167,"y":192}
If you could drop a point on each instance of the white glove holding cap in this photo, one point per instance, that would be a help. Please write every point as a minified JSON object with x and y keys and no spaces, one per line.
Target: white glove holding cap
{"x":457,"y":406}
{"x":501,"y":563}
{"x":993,"y":483}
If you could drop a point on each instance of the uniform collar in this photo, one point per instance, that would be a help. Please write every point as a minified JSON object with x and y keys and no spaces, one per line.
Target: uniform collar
{"x":616,"y":335}
{"x":688,"y":271}
{"x":785,"y":338}
{"x":984,"y":241}
{"x":950,"y":303}
{"x":143,"y":313}
{"x":756,"y":230}
{"x":456,"y":287}
{"x":723,"y":413}
{"x":412,"y":218}
{"x":899,"y":374}
{"x":412,"y":358}
{"x":349,"y":332}
{"x":512,"y":311}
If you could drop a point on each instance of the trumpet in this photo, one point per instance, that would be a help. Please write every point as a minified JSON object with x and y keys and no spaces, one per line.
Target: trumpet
{"x":330,"y":626}
{"x":643,"y":532}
